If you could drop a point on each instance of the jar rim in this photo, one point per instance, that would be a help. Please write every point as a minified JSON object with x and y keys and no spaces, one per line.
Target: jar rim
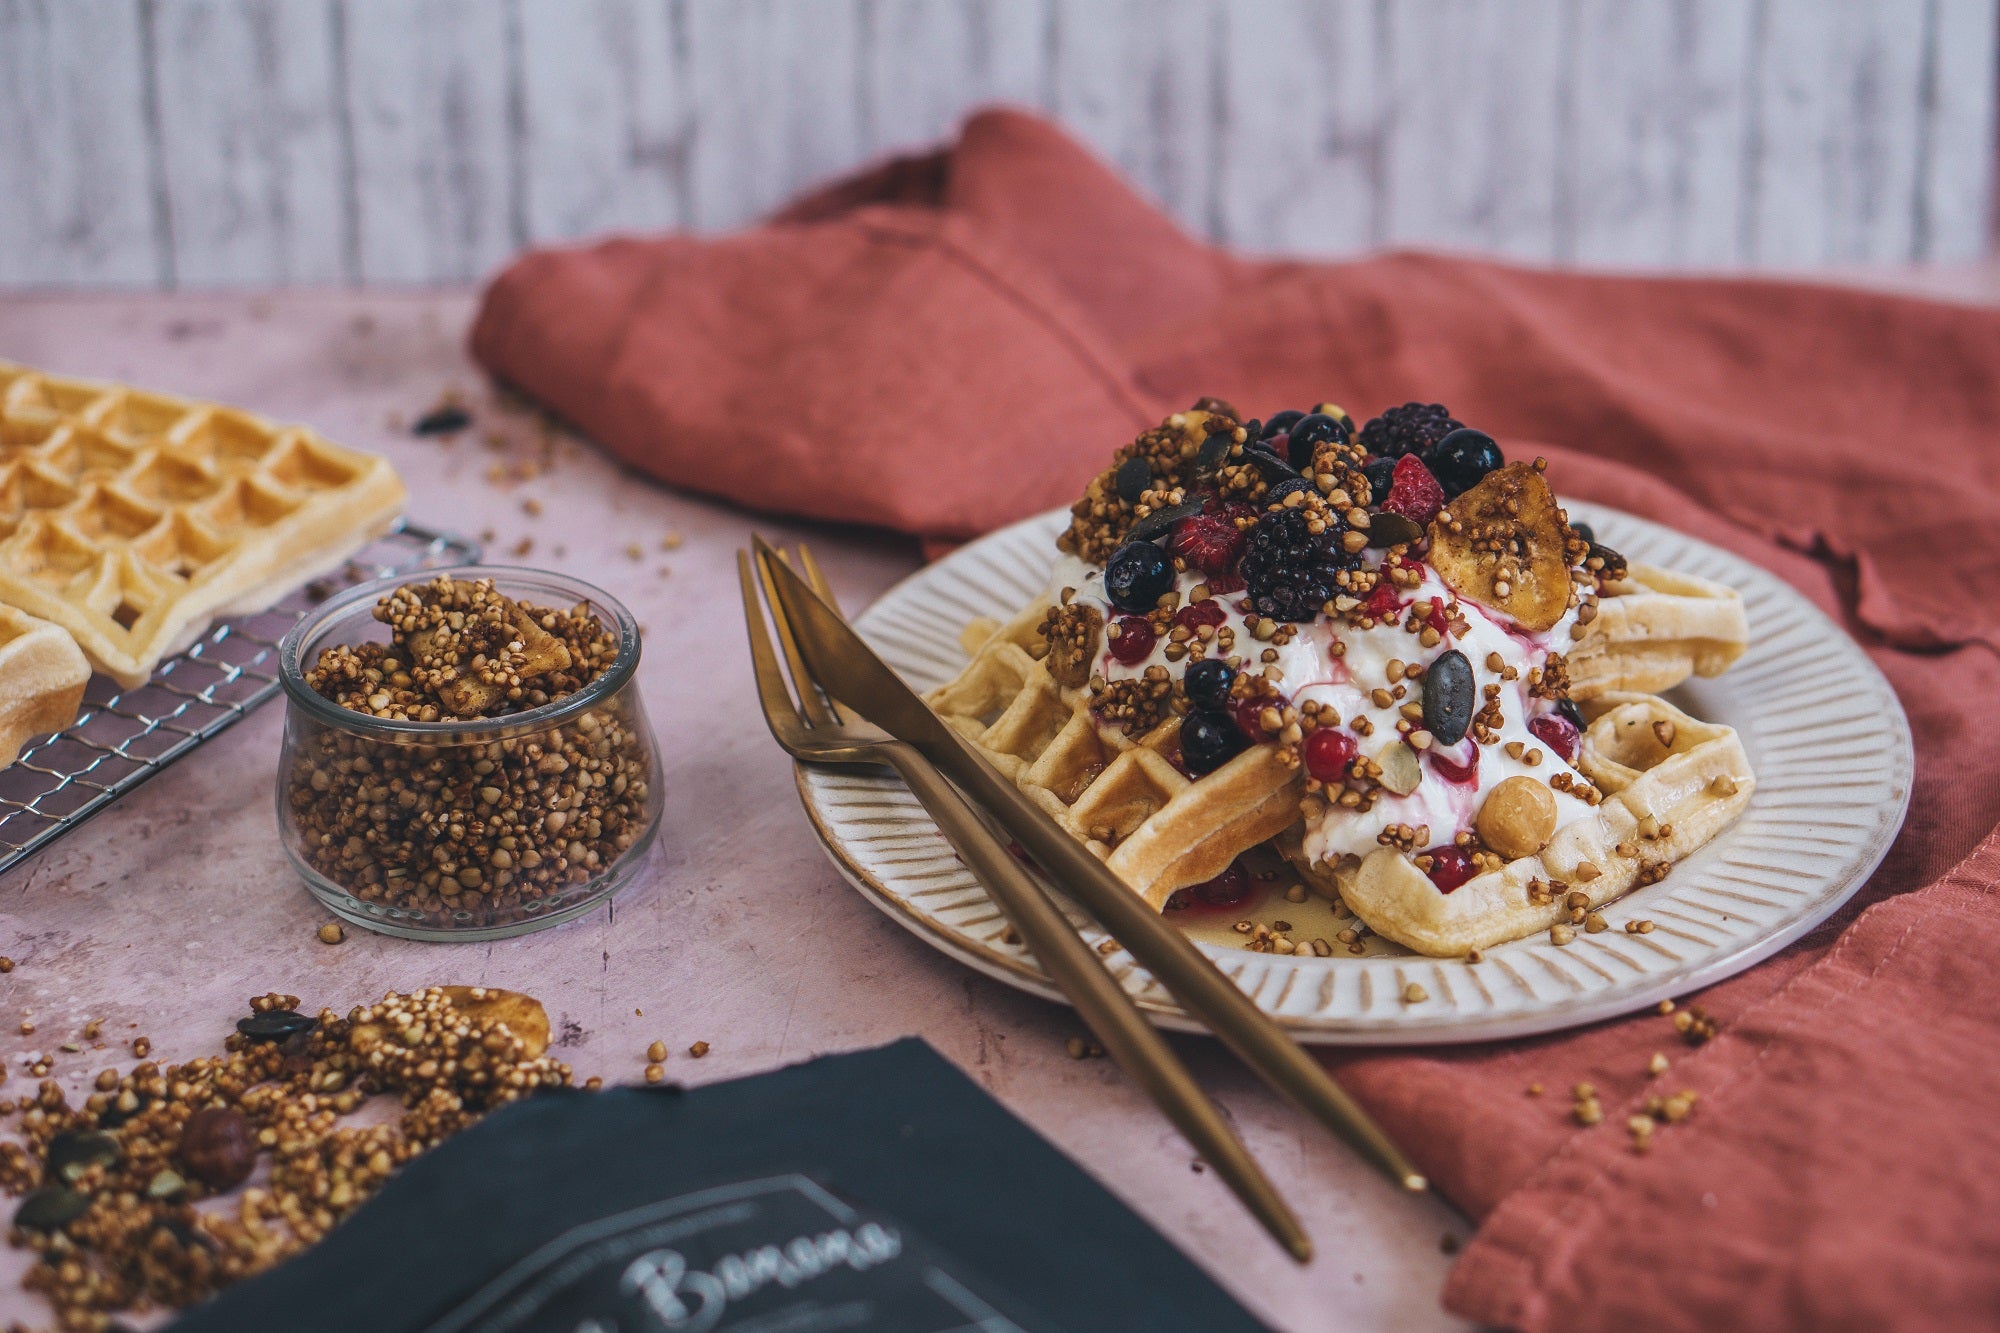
{"x":291,"y":650}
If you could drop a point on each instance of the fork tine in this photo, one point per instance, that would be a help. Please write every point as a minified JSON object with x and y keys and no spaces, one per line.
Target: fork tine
{"x":780,"y":713}
{"x":818,"y":579}
{"x":812,"y":706}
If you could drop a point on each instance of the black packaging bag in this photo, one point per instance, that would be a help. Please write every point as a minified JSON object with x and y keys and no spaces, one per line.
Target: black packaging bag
{"x":880,"y":1190}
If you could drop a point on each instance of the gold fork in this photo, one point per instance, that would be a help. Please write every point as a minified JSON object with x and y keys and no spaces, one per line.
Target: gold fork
{"x":811,"y":731}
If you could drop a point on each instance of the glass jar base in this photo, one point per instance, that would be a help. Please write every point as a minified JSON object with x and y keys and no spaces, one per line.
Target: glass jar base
{"x":407,"y":924}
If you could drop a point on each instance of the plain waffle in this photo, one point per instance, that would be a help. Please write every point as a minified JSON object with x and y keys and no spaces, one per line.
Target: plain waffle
{"x":133,"y":519}
{"x":42,"y":675}
{"x":1657,"y":630}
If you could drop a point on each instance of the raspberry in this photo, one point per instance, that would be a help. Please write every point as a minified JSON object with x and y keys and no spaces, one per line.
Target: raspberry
{"x":1327,"y":754}
{"x":1410,"y":429}
{"x":1207,"y":542}
{"x":1383,"y":604}
{"x":1196,"y":614}
{"x":1415,"y":494}
{"x":1134,"y":641}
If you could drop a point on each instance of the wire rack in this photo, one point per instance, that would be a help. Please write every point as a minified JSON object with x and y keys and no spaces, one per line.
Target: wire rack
{"x":122,"y":737}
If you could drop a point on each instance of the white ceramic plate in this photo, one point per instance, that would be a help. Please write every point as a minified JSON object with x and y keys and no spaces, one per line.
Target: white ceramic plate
{"x":1827,"y":738}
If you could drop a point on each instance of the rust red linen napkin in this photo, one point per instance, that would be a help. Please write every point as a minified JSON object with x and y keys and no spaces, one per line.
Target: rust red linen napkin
{"x":946,"y":343}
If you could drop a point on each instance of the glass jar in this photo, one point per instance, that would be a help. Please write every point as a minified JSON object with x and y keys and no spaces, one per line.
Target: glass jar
{"x":467,"y":829}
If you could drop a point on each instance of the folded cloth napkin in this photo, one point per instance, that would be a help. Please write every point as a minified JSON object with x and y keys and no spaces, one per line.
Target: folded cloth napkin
{"x":946,"y":343}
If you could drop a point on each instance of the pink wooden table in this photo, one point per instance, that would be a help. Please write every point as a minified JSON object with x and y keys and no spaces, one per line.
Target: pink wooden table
{"x":164,"y":913}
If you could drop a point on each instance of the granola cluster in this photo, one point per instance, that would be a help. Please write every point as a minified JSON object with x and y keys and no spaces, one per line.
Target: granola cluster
{"x":463,"y":649}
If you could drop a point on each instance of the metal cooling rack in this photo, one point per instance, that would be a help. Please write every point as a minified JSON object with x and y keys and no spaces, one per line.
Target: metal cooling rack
{"x":122,"y":737}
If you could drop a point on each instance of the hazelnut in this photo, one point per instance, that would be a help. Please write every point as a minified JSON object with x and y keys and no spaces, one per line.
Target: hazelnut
{"x":218,"y":1147}
{"x":1517,"y":818}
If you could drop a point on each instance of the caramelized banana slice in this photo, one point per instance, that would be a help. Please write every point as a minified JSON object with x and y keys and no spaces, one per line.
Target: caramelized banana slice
{"x":1504,"y":545}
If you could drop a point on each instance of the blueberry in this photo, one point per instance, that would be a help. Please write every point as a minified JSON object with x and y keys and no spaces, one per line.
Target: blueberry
{"x":1208,"y":739}
{"x":1313,"y":431}
{"x":1462,"y":458}
{"x":1585,"y":531}
{"x":1381,"y":474}
{"x":1277,"y":494}
{"x":1137,"y":575}
{"x":1279,"y":423}
{"x":1207,"y":682}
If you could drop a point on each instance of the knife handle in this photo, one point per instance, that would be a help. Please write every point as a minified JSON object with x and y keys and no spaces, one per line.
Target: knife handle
{"x":1188,"y":974}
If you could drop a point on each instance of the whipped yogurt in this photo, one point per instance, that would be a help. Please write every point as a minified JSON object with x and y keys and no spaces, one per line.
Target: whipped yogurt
{"x":1310,"y":672}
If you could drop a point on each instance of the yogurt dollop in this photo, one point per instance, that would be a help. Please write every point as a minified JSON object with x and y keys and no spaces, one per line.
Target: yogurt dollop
{"x":1455,"y":778}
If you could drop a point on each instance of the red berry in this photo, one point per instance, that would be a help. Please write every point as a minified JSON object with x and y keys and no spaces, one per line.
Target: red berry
{"x":1224,"y":584}
{"x":1249,"y":715}
{"x":1327,"y":753}
{"x":1229,"y":888}
{"x":1383,"y":604}
{"x":1454,"y":772}
{"x":1196,"y":614}
{"x":1558,"y":733}
{"x":1134,"y":640}
{"x":1207,"y":542}
{"x":1450,"y":867}
{"x":1415,"y":493}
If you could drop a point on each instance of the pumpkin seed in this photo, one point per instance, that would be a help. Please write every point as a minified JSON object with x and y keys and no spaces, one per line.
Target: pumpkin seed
{"x":1156,"y":524}
{"x":75,"y":1151}
{"x":1213,"y":451}
{"x":165,"y":1184}
{"x":1448,"y":697}
{"x":47,"y":1209}
{"x":1388,"y":528}
{"x":275,"y":1024}
{"x":1273,"y":468}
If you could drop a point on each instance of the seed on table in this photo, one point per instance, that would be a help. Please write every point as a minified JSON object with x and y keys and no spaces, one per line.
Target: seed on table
{"x":331,"y":933}
{"x":657,"y":1052}
{"x":698,"y":1050}
{"x":654,"y":1073}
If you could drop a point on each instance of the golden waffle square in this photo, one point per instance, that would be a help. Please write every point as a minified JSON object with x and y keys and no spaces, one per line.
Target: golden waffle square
{"x":42,"y":677}
{"x":1658,"y":628}
{"x":1118,"y":795}
{"x":133,"y":520}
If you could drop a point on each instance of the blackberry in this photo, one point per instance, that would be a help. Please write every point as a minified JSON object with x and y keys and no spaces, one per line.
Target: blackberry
{"x":1291,"y":570}
{"x":1410,"y":429}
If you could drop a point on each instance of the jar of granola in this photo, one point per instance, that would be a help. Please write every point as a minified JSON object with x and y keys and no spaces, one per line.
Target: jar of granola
{"x":466,"y":755}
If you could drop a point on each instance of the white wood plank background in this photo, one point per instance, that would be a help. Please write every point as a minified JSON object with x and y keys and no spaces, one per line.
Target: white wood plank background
{"x":227,"y":142}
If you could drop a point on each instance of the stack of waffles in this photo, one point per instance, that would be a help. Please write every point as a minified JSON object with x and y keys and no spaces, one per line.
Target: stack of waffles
{"x":130,"y":521}
{"x":1418,"y":835}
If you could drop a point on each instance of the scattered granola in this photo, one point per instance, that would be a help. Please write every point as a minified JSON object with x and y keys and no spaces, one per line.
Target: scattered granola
{"x":112,"y":1186}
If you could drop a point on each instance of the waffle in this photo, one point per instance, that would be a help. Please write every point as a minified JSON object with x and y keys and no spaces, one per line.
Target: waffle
{"x":1118,"y":795}
{"x":1684,"y":793}
{"x":42,"y":675}
{"x":1658,"y":630}
{"x":133,"y":520}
